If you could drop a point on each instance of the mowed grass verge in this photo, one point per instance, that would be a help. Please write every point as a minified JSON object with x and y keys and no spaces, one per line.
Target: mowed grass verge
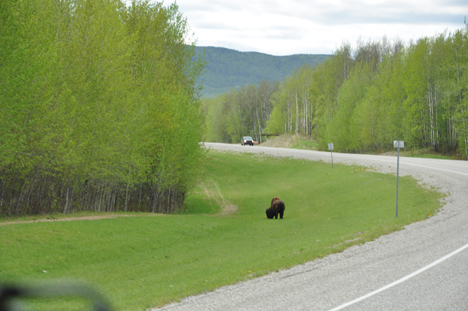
{"x":224,"y":236}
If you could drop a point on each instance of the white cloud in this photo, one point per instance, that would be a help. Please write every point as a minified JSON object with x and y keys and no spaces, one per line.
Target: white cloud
{"x":318,"y":26}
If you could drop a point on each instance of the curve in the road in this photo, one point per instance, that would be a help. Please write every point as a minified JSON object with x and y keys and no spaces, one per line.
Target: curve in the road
{"x":426,"y":258}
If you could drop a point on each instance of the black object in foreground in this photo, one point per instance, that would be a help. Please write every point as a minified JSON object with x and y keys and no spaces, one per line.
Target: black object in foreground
{"x":9,"y":294}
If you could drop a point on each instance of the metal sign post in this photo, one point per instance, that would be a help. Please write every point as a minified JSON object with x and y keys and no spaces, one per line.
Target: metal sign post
{"x":330,"y":147}
{"x":398,"y":144}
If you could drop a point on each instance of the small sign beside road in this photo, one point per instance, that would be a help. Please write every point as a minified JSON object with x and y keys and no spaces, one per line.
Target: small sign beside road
{"x":398,"y":144}
{"x":330,"y":147}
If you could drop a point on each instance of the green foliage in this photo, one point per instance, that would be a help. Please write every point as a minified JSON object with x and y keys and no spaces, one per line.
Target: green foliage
{"x":275,"y":123}
{"x":413,"y":94}
{"x":238,"y":113}
{"x":364,"y":99}
{"x":205,"y":248}
{"x":99,"y":107}
{"x":342,"y":129}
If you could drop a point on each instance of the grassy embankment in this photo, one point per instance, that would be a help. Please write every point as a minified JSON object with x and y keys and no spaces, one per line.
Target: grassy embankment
{"x":223,"y":237}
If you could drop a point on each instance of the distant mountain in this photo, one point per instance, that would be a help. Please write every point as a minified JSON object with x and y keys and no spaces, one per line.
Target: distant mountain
{"x":227,"y":68}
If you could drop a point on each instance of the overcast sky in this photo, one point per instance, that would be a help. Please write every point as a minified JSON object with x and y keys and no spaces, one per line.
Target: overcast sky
{"x":285,"y":27}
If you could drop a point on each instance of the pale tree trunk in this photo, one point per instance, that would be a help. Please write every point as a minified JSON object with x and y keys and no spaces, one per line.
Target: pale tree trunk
{"x":297,"y":114}
{"x":259,"y":128}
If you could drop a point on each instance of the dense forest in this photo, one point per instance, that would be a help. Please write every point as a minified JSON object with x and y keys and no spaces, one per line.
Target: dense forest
{"x":361,"y":99}
{"x":99,"y":107}
{"x":226,"y":68}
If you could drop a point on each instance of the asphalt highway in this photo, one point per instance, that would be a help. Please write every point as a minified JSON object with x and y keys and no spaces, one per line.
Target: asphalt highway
{"x":423,"y":267}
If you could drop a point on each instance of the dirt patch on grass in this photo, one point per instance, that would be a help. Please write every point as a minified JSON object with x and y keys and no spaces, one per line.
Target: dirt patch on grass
{"x":297,"y":141}
{"x":77,"y":218}
{"x":282,"y":141}
{"x":216,"y":198}
{"x":228,"y":209}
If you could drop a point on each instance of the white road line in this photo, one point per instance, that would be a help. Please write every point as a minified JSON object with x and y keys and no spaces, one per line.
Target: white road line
{"x":400,"y":280}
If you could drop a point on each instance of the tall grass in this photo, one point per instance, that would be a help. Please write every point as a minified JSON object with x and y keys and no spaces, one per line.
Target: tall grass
{"x":223,"y":237}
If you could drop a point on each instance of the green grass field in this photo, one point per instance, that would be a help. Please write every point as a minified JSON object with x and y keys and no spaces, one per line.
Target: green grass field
{"x":223,"y":237}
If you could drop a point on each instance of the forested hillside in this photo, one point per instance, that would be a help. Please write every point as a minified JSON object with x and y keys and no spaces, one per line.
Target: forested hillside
{"x":98,"y":110}
{"x":226,"y":69}
{"x":361,"y":99}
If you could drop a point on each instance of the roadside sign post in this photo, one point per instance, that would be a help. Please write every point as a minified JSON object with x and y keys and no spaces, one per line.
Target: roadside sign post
{"x":330,"y":147}
{"x":398,"y":144}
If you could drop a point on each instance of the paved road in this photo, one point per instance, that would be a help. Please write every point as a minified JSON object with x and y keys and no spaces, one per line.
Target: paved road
{"x":423,"y":267}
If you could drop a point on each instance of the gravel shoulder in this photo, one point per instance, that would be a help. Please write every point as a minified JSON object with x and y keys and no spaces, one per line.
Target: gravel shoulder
{"x":326,"y":283}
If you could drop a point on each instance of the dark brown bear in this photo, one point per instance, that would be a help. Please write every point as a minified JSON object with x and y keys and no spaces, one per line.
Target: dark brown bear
{"x":277,"y":207}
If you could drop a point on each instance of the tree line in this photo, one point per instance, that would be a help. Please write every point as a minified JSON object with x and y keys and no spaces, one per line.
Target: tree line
{"x":99,"y":107}
{"x":362,"y":99}
{"x":239,"y":113}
